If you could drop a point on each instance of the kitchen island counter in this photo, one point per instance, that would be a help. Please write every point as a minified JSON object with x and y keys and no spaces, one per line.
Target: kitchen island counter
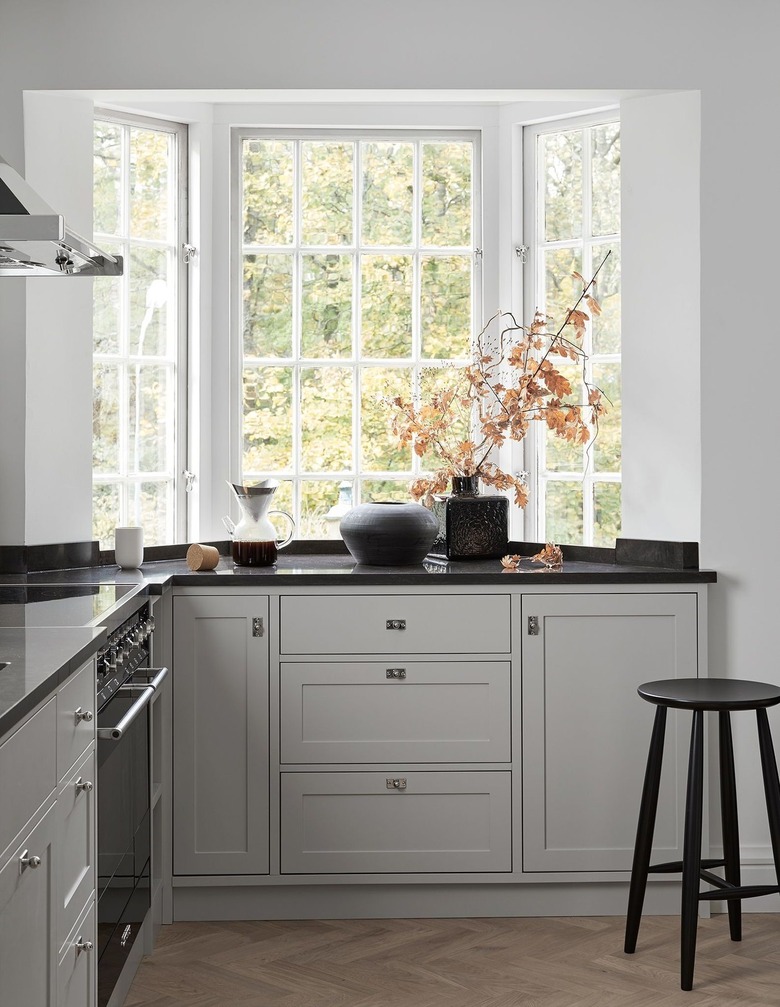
{"x":39,"y":660}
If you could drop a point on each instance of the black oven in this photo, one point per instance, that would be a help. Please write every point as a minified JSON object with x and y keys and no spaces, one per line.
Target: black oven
{"x":126,"y":685}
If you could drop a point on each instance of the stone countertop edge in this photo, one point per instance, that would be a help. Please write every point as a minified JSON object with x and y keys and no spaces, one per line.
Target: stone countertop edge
{"x":41,"y":660}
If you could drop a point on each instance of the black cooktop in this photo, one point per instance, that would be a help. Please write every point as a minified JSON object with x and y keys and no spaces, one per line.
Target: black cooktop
{"x":60,"y":604}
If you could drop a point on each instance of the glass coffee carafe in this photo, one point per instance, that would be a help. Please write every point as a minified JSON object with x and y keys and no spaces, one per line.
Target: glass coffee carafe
{"x":255,"y":540}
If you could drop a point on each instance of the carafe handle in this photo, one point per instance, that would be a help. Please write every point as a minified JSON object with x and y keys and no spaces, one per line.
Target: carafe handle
{"x":281,"y":544}
{"x":229,"y":526}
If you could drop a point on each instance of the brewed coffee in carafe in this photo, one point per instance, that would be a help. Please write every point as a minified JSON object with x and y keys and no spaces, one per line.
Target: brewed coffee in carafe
{"x":255,"y":541}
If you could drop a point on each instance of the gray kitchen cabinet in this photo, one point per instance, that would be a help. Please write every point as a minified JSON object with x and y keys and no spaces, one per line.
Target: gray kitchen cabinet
{"x":394,"y":822}
{"x":585,"y":730}
{"x":76,"y":831}
{"x":395,"y":710}
{"x":27,"y":916}
{"x":76,"y":967}
{"x":220,"y":747}
{"x":48,"y":869}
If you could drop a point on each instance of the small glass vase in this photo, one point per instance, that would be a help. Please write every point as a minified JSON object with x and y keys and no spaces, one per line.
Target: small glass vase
{"x":471,"y":526}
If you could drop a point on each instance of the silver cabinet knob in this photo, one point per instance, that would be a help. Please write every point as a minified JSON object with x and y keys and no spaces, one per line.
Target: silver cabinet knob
{"x":397,"y":783}
{"x":397,"y":673}
{"x":84,"y":785}
{"x":395,"y":624}
{"x":28,"y":860}
{"x":82,"y":945}
{"x":85,"y":715}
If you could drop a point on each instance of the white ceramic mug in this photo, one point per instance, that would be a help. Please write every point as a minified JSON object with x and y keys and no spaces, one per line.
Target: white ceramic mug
{"x":129,"y":547}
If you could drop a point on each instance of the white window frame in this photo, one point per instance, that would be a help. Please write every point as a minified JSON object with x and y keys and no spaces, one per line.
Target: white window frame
{"x":528,"y":457}
{"x":415,"y":362}
{"x":180,"y":410}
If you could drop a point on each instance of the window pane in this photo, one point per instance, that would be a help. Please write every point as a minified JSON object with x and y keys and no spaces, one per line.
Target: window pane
{"x":386,"y":306}
{"x":326,"y":419}
{"x":562,"y":181}
{"x":564,"y":512}
{"x":445,"y":306}
{"x":150,"y":185}
{"x":606,"y":514}
{"x":327,"y":196}
{"x":149,"y":402}
{"x":268,"y":192}
{"x":439,"y":379}
{"x":152,"y":331}
{"x":326,"y":309}
{"x":380,"y":450}
{"x":379,"y":490}
{"x":446,"y":196}
{"x":267,"y":419}
{"x":606,"y":326}
{"x":268,"y":313}
{"x":562,"y":455}
{"x":153,"y":510}
{"x":105,"y":418}
{"x":561,"y":289}
{"x":106,"y":309}
{"x":108,"y":177}
{"x":388,"y":191}
{"x":106,"y":513}
{"x":605,"y":172}
{"x":317,"y":498}
{"x":606,"y":448}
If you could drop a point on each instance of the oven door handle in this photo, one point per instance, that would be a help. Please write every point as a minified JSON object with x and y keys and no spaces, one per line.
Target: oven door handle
{"x":160,"y":674}
{"x":115,"y":733}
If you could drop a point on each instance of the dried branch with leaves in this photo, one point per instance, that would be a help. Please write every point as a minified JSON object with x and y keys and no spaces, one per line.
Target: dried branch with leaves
{"x":512,"y":381}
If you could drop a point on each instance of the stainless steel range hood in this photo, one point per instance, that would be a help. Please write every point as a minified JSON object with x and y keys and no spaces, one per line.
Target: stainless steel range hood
{"x":34,"y":240}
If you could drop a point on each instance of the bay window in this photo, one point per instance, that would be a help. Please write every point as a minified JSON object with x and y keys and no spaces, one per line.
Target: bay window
{"x":358,"y":270}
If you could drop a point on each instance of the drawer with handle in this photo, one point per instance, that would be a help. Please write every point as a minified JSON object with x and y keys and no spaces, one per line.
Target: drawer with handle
{"x":76,"y":866}
{"x":396,"y":822}
{"x":422,"y":711}
{"x":395,"y":624}
{"x":76,"y":719}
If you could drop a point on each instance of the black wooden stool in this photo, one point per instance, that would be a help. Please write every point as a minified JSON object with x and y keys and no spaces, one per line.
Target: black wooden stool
{"x":723,"y":695}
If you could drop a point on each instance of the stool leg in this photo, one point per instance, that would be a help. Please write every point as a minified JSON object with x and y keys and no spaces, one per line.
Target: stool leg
{"x":644,"y":831}
{"x":692,"y":852}
{"x":729,"y":821}
{"x":771,"y":784}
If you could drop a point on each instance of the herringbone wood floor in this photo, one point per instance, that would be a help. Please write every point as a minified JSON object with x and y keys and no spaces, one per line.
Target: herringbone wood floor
{"x":571,"y":962}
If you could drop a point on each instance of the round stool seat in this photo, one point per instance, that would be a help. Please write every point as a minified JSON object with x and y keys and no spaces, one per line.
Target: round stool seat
{"x":710,"y":694}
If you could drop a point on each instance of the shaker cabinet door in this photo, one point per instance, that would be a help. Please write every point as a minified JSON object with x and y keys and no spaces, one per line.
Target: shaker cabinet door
{"x":586,"y":732}
{"x":220,"y":741}
{"x":27,"y":909}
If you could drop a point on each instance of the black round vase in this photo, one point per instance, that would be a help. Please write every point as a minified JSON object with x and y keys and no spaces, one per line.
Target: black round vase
{"x":389,"y":533}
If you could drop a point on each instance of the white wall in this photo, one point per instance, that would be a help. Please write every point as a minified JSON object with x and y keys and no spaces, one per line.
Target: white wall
{"x":724,"y":50}
{"x":660,"y":297}
{"x":58,"y":422}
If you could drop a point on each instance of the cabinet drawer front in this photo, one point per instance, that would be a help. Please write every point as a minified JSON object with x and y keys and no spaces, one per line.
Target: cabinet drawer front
{"x":28,"y":771}
{"x":432,"y":711}
{"x":358,"y":823}
{"x":76,"y":972}
{"x":74,"y":731}
{"x":451,"y":624}
{"x":76,"y":844}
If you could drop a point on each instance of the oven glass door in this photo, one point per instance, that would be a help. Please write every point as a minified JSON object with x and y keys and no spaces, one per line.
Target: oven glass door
{"x":124,"y":840}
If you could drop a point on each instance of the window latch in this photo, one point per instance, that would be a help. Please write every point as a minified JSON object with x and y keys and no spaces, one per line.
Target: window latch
{"x":189,"y":481}
{"x":521,"y":251}
{"x":190,"y":251}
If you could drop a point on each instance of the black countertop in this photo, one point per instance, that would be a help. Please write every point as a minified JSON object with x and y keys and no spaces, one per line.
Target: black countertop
{"x":41,"y":658}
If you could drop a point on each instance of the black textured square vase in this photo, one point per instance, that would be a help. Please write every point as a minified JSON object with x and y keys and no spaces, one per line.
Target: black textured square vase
{"x":471,"y":527}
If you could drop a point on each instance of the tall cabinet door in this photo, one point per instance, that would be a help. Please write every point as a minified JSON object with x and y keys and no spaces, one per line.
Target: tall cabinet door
{"x":220,"y":741}
{"x":586,"y":732}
